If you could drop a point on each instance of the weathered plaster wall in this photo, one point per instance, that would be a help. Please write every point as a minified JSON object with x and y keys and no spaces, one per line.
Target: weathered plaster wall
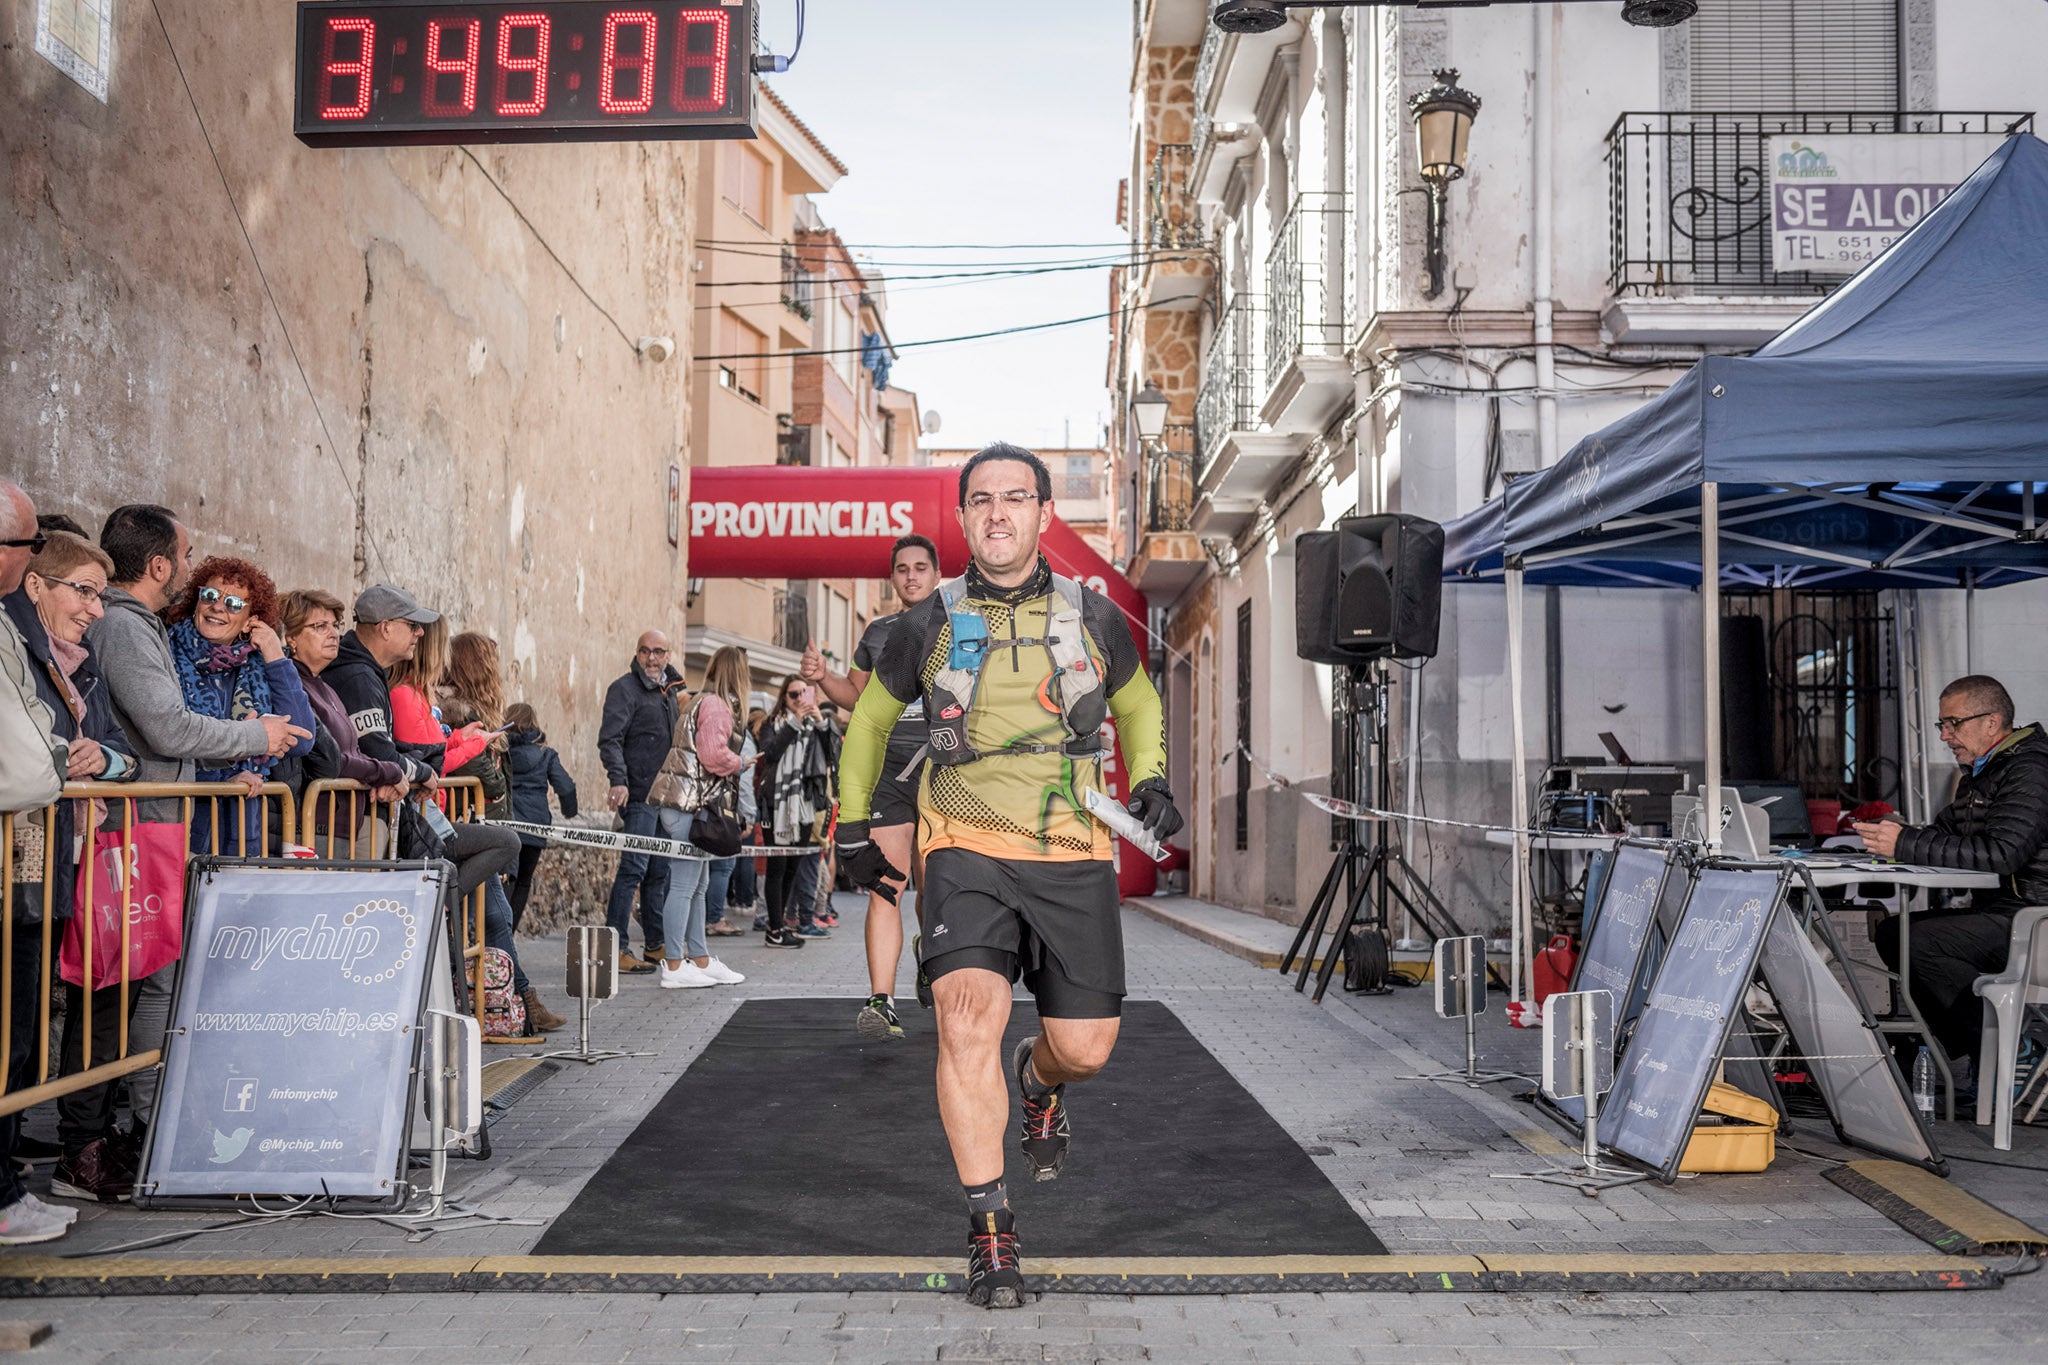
{"x":491,"y":438}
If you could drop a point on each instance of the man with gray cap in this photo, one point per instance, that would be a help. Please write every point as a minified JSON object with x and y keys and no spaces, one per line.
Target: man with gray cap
{"x":389,"y":623}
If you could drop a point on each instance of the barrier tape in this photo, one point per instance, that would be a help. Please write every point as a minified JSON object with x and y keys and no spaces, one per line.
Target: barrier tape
{"x":1351,"y":810}
{"x":618,"y":841}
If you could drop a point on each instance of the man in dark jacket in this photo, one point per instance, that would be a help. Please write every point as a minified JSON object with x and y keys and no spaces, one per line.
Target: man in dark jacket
{"x":1998,"y":822}
{"x":639,"y":723}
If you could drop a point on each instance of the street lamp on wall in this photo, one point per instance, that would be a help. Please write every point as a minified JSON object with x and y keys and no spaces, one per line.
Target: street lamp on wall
{"x":1443,"y":117}
{"x":1148,"y":410}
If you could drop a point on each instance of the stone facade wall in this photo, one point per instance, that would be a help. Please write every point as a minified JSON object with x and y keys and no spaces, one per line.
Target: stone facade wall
{"x":452,"y":400}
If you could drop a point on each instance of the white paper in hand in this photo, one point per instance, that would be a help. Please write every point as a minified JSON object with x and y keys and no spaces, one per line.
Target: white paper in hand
{"x":1121,"y":821}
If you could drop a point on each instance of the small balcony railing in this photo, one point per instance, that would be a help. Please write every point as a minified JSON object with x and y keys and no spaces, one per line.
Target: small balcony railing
{"x":1305,"y":282}
{"x":1232,"y":369}
{"x":1689,"y":194}
{"x":1172,"y":218}
{"x":799,"y":286}
{"x":1170,"y":479}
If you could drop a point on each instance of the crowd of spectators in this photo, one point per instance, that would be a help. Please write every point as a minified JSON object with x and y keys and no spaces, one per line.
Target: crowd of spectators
{"x":120,"y":661}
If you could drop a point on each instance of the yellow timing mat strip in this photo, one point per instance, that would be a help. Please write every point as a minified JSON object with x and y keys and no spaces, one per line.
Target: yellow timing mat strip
{"x":46,"y":1276}
{"x":1938,"y":1212}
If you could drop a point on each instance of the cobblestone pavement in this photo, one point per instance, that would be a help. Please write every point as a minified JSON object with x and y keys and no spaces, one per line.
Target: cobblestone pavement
{"x":1413,"y":1156}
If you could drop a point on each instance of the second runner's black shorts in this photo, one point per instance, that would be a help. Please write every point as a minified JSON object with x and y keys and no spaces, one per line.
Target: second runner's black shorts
{"x":1057,"y":926}
{"x":895,"y":799}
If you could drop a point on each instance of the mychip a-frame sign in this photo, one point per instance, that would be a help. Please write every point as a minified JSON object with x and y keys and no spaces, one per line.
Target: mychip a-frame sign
{"x":1734,"y":932}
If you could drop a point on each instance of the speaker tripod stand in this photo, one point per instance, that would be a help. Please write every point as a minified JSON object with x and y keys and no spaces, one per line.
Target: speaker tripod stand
{"x":1368,"y":875}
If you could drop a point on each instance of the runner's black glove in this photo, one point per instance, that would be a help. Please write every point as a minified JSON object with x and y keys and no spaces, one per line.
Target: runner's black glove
{"x":864,"y":863}
{"x":1152,"y":803}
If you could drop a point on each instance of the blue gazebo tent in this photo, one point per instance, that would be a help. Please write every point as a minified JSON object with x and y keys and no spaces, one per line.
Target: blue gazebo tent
{"x":1895,"y":436}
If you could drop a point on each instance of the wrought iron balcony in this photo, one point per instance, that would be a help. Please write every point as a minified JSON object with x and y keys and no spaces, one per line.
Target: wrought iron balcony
{"x":1172,"y":218}
{"x":799,"y":286}
{"x":1688,"y":194}
{"x":1233,"y":372}
{"x":1305,"y":292}
{"x":1170,"y":479}
{"x":1207,"y":64}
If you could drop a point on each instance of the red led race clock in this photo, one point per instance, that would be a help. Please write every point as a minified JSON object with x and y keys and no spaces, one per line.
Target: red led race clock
{"x":392,"y":72}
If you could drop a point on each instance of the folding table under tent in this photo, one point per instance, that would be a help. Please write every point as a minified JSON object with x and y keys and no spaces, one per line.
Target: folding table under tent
{"x":1895,"y":436}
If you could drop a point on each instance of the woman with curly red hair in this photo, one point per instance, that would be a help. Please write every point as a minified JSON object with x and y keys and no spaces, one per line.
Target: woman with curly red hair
{"x":232,"y":666}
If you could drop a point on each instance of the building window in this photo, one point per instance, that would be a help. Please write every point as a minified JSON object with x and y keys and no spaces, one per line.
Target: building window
{"x":1079,"y":484}
{"x":799,"y":286}
{"x":792,"y":609}
{"x":838,"y":626}
{"x":744,"y":367}
{"x":1815,"y":56}
{"x":846,"y":342}
{"x":746,"y":182}
{"x":1244,"y":725}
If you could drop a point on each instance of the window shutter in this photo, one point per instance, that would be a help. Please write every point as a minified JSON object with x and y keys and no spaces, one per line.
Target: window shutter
{"x":1813,"y":56}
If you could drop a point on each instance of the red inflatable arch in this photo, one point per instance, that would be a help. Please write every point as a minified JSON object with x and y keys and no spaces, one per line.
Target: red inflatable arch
{"x":788,"y":521}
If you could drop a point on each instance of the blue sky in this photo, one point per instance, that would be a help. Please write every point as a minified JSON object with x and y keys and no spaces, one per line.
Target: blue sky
{"x":975,"y":121}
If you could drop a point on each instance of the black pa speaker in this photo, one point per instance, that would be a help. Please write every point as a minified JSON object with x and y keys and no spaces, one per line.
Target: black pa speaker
{"x":1370,"y":589}
{"x":1747,"y":738}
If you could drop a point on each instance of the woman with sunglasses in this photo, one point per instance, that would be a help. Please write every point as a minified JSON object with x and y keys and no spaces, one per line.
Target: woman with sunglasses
{"x":232,"y":666}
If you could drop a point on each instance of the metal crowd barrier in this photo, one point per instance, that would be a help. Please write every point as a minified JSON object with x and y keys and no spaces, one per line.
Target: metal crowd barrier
{"x":462,"y":798}
{"x":16,"y":881}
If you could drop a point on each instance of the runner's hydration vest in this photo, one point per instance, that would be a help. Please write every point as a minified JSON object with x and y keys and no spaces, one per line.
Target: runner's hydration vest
{"x":1083,"y":699}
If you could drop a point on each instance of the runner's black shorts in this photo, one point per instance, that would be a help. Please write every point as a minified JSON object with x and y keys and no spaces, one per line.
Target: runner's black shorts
{"x":895,"y":798}
{"x":1055,"y":925}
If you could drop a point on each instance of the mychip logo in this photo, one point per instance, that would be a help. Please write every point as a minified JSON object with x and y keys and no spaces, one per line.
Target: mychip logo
{"x":403,"y":931}
{"x":371,"y":944}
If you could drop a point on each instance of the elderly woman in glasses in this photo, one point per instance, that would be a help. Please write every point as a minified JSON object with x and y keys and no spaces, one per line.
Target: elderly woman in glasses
{"x":58,"y":598}
{"x":232,"y":666}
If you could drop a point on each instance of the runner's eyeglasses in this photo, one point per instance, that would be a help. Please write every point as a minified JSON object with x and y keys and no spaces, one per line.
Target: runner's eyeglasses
{"x":1016,"y":498}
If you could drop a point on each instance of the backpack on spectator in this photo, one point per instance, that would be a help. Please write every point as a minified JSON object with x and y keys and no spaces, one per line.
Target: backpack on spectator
{"x":504,"y":1011}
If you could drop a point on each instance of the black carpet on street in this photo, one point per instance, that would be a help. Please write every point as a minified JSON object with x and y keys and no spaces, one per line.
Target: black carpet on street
{"x":790,"y":1136}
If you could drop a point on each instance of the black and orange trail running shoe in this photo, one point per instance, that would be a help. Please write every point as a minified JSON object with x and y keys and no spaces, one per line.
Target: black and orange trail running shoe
{"x":995,"y":1274}
{"x":1044,"y":1136}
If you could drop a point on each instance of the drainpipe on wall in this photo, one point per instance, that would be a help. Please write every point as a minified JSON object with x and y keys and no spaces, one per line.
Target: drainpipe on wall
{"x":1545,"y":18}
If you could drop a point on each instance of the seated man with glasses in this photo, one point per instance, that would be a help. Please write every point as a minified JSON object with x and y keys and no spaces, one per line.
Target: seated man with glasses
{"x":1998,"y":822}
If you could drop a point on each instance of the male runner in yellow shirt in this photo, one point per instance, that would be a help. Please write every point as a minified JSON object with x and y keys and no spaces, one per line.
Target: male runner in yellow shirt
{"x":1017,"y":670}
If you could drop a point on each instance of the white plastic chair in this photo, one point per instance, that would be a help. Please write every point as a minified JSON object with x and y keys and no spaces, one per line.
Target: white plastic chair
{"x":2006,"y":997}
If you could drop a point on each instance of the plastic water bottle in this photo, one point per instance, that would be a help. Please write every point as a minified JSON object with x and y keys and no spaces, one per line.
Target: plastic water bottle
{"x":1923,"y":1083}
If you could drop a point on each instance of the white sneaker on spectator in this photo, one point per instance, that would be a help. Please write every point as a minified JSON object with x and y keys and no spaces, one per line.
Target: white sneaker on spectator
{"x":64,"y":1211}
{"x":722,"y":974}
{"x":688,"y":976}
{"x":27,"y":1220}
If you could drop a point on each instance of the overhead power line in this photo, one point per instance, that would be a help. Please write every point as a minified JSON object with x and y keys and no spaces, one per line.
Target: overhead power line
{"x":942,"y":246}
{"x":1113,"y":256}
{"x":933,"y":341}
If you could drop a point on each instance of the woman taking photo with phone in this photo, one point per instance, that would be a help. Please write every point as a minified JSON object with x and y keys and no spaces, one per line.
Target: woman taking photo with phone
{"x":798,"y":751}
